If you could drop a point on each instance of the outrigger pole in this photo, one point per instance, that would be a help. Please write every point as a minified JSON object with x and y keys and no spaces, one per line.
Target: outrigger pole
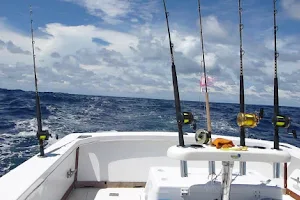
{"x":42,"y":135}
{"x":179,"y":118}
{"x":208,"y":121}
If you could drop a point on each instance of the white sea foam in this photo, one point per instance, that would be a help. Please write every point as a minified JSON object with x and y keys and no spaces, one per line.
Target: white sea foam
{"x":28,"y":127}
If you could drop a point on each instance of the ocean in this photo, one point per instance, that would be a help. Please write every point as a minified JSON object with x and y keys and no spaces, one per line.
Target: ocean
{"x":63,"y":114}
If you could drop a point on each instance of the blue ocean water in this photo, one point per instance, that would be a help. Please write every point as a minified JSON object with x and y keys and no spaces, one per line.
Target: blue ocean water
{"x":68,"y":113}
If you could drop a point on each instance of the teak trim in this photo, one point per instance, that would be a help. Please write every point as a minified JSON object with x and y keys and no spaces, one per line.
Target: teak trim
{"x":292,"y":194}
{"x":107,"y":184}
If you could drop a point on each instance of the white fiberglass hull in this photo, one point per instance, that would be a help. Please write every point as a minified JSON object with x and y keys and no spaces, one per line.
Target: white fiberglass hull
{"x":121,"y":165}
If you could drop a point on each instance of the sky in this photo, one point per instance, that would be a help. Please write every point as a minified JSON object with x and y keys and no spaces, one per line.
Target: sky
{"x":121,"y":48}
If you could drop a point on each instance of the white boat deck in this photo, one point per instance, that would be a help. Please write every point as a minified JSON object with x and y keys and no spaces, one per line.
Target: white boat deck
{"x":167,"y":182}
{"x":107,"y":194}
{"x":117,"y":194}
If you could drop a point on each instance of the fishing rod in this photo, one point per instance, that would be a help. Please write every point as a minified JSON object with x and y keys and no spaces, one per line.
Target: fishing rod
{"x":276,"y":99}
{"x":211,"y":164}
{"x":184,"y":118}
{"x":244,"y":120}
{"x":208,"y":120}
{"x":242,"y":96}
{"x":279,"y":121}
{"x":42,"y":135}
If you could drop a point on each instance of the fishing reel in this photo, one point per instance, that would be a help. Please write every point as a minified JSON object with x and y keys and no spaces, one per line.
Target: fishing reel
{"x":202,"y":136}
{"x":43,"y":135}
{"x":188,"y":118}
{"x":282,"y":121}
{"x":249,"y":120}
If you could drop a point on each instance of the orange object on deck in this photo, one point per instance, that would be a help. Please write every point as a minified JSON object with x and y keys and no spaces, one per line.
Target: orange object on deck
{"x":222,"y":143}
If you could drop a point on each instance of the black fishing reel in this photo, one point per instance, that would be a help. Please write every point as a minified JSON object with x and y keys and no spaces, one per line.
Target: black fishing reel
{"x":187,"y":118}
{"x":282,"y":121}
{"x":249,"y":120}
{"x":43,"y":135}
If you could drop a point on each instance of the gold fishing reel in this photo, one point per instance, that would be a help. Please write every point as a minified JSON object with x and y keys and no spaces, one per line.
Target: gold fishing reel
{"x":249,"y":120}
{"x":202,"y":136}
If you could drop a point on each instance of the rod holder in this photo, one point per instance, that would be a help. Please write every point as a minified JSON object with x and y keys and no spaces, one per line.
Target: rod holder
{"x":42,"y":136}
{"x":276,"y":170}
{"x":183,"y":168}
{"x":211,"y":167}
{"x":226,"y":179}
{"x":242,"y":168}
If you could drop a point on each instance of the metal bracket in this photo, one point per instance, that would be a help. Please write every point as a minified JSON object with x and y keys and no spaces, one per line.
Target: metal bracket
{"x":70,"y":173}
{"x":184,"y":192}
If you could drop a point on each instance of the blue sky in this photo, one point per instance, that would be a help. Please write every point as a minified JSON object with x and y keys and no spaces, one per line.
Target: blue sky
{"x":120,"y":48}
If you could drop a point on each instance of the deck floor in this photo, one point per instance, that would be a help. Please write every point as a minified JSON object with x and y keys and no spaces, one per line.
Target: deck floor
{"x":107,"y":194}
{"x":116,"y":194}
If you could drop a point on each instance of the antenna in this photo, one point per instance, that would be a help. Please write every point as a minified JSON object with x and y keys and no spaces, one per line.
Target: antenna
{"x":41,"y":135}
{"x":208,"y":121}
{"x":179,"y":116}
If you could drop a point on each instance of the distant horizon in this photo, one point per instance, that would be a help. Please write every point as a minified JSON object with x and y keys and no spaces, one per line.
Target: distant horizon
{"x":99,"y":95}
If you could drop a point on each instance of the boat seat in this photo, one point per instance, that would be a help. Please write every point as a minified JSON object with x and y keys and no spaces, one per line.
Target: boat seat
{"x":211,"y":153}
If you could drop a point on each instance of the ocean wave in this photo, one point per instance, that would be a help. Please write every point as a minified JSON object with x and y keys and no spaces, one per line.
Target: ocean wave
{"x":63,"y":114}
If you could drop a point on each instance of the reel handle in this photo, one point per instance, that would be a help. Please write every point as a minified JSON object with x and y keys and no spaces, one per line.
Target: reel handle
{"x":294,"y":133}
{"x":261,"y":113}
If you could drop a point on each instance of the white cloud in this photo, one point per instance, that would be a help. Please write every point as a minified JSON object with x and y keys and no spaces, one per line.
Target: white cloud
{"x":212,"y":27}
{"x":292,"y":7}
{"x":137,"y":62}
{"x":114,"y":11}
{"x":105,"y":8}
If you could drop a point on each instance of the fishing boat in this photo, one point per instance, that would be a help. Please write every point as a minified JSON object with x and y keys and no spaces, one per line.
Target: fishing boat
{"x":161,"y":165}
